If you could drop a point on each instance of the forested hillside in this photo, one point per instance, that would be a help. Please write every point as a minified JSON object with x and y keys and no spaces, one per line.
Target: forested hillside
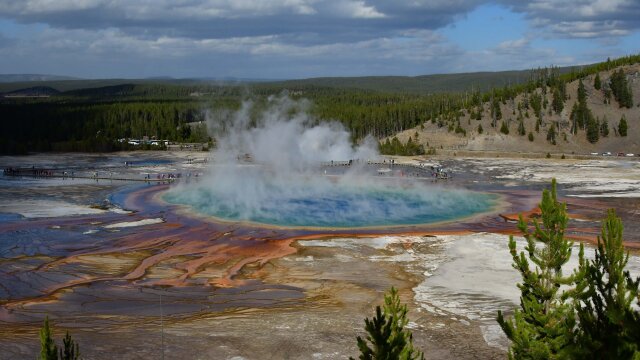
{"x":547,"y":106}
{"x":596,"y":110}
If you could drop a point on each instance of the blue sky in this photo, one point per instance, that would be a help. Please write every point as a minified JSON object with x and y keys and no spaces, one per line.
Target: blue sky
{"x":278,"y":39}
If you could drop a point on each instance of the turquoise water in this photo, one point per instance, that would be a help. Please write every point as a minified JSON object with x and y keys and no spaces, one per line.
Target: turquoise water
{"x":336,"y":206}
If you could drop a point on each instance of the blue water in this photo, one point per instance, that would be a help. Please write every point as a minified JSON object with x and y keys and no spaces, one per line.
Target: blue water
{"x":119,"y":197}
{"x":9,"y":217}
{"x":345,"y":207}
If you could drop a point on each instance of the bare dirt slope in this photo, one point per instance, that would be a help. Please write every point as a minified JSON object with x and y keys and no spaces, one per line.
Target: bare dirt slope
{"x":493,"y":140}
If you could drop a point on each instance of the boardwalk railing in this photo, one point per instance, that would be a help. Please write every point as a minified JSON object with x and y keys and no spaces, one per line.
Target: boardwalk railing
{"x":95,"y":175}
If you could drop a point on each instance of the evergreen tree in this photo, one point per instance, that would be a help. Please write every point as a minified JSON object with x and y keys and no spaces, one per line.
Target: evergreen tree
{"x":574,"y":119}
{"x":542,"y":327}
{"x":521,"y":130}
{"x":621,"y":90}
{"x":530,"y":136}
{"x":581,"y":116}
{"x":597,"y":83}
{"x":551,"y":134}
{"x":558,"y":101}
{"x":387,"y":337}
{"x":395,"y":147}
{"x":622,"y":126}
{"x":593,"y":130}
{"x":609,"y":325}
{"x":604,"y":127}
{"x":496,"y":112}
{"x":71,"y":349}
{"x":536,"y":104}
{"x":582,"y":93}
{"x":48,"y":348}
{"x":504,"y":128}
{"x":480,"y":130}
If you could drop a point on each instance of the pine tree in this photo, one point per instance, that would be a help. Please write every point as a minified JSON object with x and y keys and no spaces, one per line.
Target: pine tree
{"x":621,"y":90}
{"x":536,"y":104}
{"x":504,"y":128}
{"x":622,"y":126}
{"x":551,"y":134}
{"x":582,"y":93}
{"x":387,"y":335}
{"x":574,"y":119}
{"x":581,"y":115}
{"x":397,"y":312}
{"x":597,"y":83}
{"x":496,"y":112}
{"x":530,"y":136}
{"x":521,"y":130}
{"x":604,"y":127}
{"x":542,"y":327}
{"x":48,"y":348}
{"x":480,"y":130}
{"x":593,"y":130}
{"x":609,"y":325}
{"x":558,"y":101}
{"x":71,"y":349}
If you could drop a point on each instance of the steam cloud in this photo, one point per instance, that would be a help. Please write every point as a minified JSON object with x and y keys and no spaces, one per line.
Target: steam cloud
{"x":284,"y":137}
{"x":266,"y":169}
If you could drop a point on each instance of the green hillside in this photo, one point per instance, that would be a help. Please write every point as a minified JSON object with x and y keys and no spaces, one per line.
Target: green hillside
{"x":93,"y":117}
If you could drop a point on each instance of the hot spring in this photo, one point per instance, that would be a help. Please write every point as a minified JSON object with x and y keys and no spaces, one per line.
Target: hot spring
{"x":328,"y":202}
{"x":267,"y":170}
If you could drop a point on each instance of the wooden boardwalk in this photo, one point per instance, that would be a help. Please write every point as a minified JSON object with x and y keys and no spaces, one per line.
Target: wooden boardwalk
{"x":41,"y":173}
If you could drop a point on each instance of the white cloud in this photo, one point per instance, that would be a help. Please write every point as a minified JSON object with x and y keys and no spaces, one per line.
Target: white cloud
{"x":321,"y":37}
{"x":513,"y":44}
{"x":358,"y":9}
{"x":581,"y":18}
{"x":590,"y":29}
{"x":161,"y":9}
{"x":46,"y":6}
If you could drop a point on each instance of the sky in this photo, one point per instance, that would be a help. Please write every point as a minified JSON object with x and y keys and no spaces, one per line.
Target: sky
{"x":286,"y":39}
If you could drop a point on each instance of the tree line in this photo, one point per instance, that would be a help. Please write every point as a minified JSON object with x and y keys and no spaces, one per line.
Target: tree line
{"x":92,"y":119}
{"x":89,"y":126}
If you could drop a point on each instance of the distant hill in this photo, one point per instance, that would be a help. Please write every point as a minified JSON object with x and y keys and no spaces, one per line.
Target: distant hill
{"x":10,"y":78}
{"x":104,"y":91}
{"x":77,"y":85}
{"x":423,"y":84}
{"x":66,"y":85}
{"x":35,"y":91}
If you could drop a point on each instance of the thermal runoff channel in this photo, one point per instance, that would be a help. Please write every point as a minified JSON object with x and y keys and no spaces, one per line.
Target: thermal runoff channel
{"x":279,"y":166}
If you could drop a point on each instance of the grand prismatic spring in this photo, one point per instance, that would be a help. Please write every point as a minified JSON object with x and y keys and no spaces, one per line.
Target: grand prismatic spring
{"x":280,"y":242}
{"x":330,"y":204}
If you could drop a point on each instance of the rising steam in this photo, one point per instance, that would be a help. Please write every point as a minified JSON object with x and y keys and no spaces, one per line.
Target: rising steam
{"x":267,"y":169}
{"x":284,"y":137}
